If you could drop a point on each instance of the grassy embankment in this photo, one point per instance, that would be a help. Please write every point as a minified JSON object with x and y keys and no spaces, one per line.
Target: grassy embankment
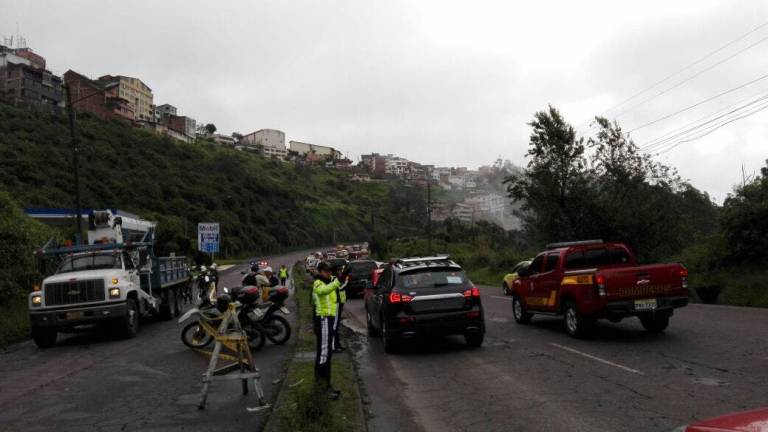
{"x":301,"y":407}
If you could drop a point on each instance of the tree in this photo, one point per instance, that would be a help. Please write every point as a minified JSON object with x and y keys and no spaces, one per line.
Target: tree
{"x":554,"y":182}
{"x":210,"y":128}
{"x":745,"y":221}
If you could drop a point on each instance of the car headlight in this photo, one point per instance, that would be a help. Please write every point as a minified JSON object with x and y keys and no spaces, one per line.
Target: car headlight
{"x":114,"y":292}
{"x":115,"y":281}
{"x":37,"y":300}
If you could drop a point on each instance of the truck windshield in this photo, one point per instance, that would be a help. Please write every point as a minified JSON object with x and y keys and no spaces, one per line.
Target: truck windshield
{"x":90,"y":262}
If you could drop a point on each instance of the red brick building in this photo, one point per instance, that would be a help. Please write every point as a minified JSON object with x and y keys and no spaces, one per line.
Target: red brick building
{"x":97,"y":97}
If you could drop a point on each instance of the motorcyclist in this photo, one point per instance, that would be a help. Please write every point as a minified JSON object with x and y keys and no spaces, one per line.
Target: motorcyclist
{"x":273,"y":280}
{"x":250,"y":278}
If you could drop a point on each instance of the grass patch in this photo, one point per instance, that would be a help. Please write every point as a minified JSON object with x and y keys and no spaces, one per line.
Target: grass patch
{"x":302,"y":407}
{"x":14,"y":321}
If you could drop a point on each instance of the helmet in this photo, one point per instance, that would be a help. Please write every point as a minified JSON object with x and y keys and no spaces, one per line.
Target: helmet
{"x":268,"y":269}
{"x":222,"y":302}
{"x":202,"y":268}
{"x":324,"y":266}
{"x":213,"y":266}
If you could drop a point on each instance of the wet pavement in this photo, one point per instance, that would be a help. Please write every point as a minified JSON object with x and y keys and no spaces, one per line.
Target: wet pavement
{"x":711,"y":360}
{"x":93,"y":381}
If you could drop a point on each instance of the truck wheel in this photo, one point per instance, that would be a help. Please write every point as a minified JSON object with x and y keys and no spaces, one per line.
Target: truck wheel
{"x":576,"y":324}
{"x":44,"y":337}
{"x":474,"y":340}
{"x":655,"y":323}
{"x":519,"y":312}
{"x":130,"y":323}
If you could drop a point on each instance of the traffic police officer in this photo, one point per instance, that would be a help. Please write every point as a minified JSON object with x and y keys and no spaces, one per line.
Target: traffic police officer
{"x":325,"y":299}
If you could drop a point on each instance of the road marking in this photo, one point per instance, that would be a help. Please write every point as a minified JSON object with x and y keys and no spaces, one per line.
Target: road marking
{"x":597,"y":359}
{"x":500,"y":297}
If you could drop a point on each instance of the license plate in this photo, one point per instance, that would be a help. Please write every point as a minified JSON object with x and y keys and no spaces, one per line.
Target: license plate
{"x":647,"y":304}
{"x":73,"y":315}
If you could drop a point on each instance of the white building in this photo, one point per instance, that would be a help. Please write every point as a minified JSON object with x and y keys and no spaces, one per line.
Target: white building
{"x":463,"y":212}
{"x":305,"y":149}
{"x":224,"y":140}
{"x":265,"y":138}
{"x":396,"y":166}
{"x":488,"y":205}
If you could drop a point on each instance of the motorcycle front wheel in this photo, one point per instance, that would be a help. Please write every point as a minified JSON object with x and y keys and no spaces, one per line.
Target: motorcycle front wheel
{"x":256,"y":338}
{"x":194,"y":336}
{"x":277,"y":329}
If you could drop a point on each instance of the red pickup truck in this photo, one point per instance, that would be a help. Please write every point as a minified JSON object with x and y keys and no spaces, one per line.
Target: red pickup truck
{"x":587,"y":280}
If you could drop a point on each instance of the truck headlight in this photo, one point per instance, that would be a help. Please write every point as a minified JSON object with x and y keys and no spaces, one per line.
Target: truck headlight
{"x":114,"y":292}
{"x":115,"y":281}
{"x":37,"y":300}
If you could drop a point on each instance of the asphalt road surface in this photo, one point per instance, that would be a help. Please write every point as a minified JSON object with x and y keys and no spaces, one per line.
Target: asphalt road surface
{"x":712,"y":360}
{"x":95,"y":382}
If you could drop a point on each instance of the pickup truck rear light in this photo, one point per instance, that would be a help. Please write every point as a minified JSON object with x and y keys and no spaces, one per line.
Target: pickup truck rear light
{"x":473,"y":292}
{"x":684,"y":278}
{"x":600,"y":285}
{"x":396,"y":297}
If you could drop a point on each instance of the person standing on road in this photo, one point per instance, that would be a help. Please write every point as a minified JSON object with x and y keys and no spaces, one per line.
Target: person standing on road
{"x":341,"y":295}
{"x":324,"y":297}
{"x":283,"y":274}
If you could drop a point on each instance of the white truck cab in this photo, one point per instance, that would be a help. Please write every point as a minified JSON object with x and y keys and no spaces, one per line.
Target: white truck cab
{"x":114,"y":278}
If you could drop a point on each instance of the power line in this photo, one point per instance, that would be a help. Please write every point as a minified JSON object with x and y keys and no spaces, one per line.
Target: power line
{"x":699,"y":103}
{"x":714,"y":128}
{"x":696,"y":124}
{"x":699,"y":73}
{"x":701,"y":59}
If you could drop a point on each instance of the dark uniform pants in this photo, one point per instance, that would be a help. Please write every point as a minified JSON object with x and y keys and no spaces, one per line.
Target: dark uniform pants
{"x":324,"y":333}
{"x":336,"y":324}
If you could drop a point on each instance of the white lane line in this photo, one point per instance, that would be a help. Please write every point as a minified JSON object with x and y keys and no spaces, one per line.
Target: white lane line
{"x":597,"y":359}
{"x":500,"y":297}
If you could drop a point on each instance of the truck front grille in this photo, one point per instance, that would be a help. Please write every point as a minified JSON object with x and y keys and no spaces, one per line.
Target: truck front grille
{"x":81,"y":291}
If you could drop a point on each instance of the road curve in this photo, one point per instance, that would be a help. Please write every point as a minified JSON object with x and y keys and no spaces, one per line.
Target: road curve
{"x":93,"y":381}
{"x":711,"y":360}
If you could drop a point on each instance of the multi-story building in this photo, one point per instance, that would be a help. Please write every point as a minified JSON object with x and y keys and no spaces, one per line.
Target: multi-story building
{"x":463,"y":212}
{"x":488,"y":205}
{"x":396,"y":166}
{"x":26,"y":85}
{"x":225,"y":140}
{"x":265,"y":138}
{"x":137,"y":93}
{"x":160,"y":111}
{"x":181,"y":124}
{"x":36,"y":60}
{"x":314,"y":151}
{"x":98,"y":97}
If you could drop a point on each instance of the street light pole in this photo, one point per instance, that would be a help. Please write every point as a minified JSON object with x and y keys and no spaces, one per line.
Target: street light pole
{"x":75,"y":164}
{"x":429,"y":218}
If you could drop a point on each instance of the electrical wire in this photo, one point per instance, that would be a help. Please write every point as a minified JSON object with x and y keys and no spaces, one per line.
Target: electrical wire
{"x":709,"y":99}
{"x":685,"y":68}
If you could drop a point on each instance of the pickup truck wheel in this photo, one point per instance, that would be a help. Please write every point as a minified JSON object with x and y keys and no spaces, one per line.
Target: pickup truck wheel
{"x":576,"y":324}
{"x":130,"y":323}
{"x":655,"y":323}
{"x":519,"y":312}
{"x":44,"y":337}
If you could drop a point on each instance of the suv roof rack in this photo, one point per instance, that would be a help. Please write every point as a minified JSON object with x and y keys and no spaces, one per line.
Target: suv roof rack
{"x":574,"y":243}
{"x":442,"y":260}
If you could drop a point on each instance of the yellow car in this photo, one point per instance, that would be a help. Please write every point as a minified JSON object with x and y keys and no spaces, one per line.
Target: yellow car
{"x":506,"y":286}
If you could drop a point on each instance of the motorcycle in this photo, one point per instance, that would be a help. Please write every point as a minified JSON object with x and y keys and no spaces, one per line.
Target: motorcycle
{"x":201,"y":332}
{"x":206,"y":284}
{"x":262,"y":316}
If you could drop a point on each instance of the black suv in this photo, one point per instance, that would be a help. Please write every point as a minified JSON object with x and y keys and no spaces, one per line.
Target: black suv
{"x":418,"y":296}
{"x":359,"y":275}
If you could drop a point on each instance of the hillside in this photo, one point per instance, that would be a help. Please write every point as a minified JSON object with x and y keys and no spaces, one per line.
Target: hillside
{"x":262,"y":205}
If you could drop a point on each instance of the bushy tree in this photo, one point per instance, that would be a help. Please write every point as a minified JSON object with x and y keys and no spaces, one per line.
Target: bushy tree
{"x":745,"y":221}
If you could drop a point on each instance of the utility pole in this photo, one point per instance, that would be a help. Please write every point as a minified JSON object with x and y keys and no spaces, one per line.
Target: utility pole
{"x":429,"y":218}
{"x":75,"y":164}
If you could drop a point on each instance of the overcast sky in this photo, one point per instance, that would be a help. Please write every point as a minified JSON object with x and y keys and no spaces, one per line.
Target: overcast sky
{"x":442,"y":82}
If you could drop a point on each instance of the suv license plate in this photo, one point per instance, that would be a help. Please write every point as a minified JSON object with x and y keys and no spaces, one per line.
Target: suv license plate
{"x":648,"y":304}
{"x":74,"y":315}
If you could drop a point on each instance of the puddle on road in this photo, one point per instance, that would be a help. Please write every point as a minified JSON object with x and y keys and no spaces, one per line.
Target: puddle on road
{"x":714,"y":382}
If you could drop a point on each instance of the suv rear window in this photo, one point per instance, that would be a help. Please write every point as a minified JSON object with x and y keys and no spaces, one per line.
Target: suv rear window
{"x":429,"y":279}
{"x":362,"y":267}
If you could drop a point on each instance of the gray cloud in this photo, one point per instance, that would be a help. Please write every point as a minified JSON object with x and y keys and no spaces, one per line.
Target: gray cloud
{"x":438,"y":82}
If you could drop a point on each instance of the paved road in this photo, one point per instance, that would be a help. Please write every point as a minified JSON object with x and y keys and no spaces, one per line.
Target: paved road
{"x":712,"y":360}
{"x":91,"y":381}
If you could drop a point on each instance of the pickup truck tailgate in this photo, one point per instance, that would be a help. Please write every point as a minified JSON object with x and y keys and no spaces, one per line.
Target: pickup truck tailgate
{"x":648,"y":281}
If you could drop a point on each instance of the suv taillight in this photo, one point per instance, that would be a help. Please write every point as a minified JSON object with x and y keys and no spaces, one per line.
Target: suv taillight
{"x":396,"y":297}
{"x":600,"y":285}
{"x":473,"y":292}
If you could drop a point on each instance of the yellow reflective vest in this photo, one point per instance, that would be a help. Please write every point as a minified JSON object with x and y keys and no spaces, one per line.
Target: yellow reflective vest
{"x":324,"y":297}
